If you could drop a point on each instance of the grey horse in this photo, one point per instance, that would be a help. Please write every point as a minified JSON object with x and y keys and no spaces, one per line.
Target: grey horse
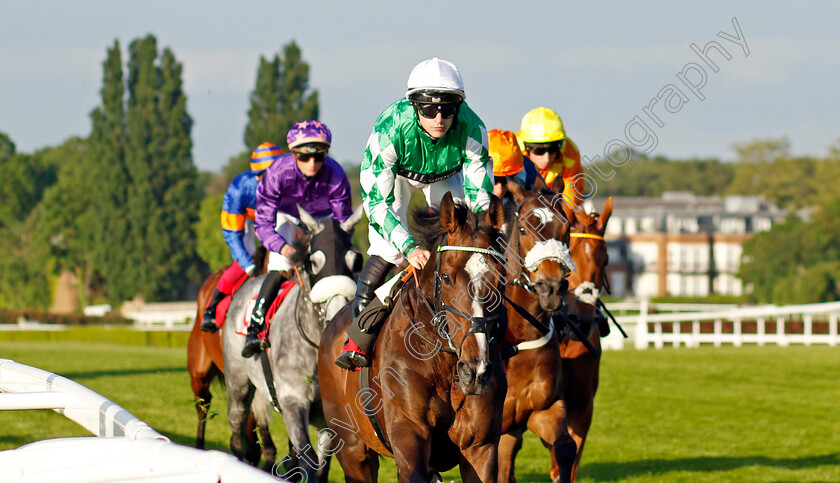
{"x":326,"y":260}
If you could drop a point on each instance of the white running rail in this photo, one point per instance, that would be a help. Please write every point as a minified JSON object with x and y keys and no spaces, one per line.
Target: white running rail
{"x":768,"y":324}
{"x":129,"y":451}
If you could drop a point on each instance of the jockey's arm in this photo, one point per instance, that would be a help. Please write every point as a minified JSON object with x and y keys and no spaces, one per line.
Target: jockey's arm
{"x":268,"y":198}
{"x":378,"y":173}
{"x":340,"y":199}
{"x":233,"y":218}
{"x":478,"y":182}
{"x":572,"y":173}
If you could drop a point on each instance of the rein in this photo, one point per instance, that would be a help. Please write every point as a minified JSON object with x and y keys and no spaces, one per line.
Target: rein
{"x":304,"y":294}
{"x":478,"y":325}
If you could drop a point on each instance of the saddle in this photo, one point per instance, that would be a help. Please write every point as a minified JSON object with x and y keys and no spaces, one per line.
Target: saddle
{"x":285,"y":288}
{"x":372,"y":316}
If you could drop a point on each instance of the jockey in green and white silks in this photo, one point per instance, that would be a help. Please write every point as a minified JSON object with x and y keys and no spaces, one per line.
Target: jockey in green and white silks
{"x":432,"y":141}
{"x":400,"y":156}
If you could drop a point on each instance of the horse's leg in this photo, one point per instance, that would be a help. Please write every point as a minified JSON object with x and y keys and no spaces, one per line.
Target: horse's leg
{"x":509,"y":446}
{"x":479,"y":463}
{"x":550,"y":426}
{"x":359,"y":463}
{"x":412,"y":450}
{"x":324,"y":449}
{"x":239,"y":408}
{"x":202,"y":372}
{"x":269,"y":450}
{"x":580,"y":382}
{"x":296,"y":418}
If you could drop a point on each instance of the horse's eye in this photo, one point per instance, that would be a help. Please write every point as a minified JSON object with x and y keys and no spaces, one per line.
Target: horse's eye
{"x":446,"y":279}
{"x":522,"y":230}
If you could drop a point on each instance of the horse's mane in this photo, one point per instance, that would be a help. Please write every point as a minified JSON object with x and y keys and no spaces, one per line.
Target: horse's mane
{"x":425,"y":227}
{"x":301,"y":246}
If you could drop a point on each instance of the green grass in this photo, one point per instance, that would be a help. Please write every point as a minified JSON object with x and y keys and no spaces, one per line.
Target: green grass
{"x":726,"y":414}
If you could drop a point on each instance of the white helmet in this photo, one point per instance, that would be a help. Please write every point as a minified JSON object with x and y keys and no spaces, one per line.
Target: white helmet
{"x":435,"y":76}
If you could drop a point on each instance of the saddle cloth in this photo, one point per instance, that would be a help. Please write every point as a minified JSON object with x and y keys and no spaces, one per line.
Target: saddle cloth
{"x":242,"y":329}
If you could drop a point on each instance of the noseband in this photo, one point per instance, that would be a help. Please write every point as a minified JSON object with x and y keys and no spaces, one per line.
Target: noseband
{"x":478,"y":325}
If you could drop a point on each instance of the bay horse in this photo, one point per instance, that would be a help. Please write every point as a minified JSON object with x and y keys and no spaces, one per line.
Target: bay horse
{"x":538,"y":263}
{"x":436,"y":397}
{"x":284,"y":376}
{"x":581,"y":366}
{"x":205,"y":363}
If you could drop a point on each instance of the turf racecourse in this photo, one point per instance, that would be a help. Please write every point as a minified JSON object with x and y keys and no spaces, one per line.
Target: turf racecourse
{"x":708,"y":414}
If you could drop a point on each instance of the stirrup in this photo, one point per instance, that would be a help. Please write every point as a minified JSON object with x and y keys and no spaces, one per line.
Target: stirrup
{"x":351,"y":360}
{"x":254,"y":345}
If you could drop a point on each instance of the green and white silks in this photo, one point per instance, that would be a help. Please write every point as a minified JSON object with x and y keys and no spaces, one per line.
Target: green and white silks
{"x":400,"y":152}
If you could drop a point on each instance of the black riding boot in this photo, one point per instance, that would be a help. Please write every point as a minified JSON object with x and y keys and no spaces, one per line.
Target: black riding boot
{"x":268,"y":291}
{"x":361,"y":333}
{"x":208,"y":323}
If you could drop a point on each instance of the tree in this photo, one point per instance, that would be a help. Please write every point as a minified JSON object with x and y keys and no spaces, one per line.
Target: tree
{"x":210,"y":243}
{"x":141,"y":137}
{"x":108,"y":233}
{"x":280,"y":98}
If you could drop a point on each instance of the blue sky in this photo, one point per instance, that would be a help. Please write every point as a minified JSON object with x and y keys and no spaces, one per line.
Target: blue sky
{"x":597,"y":64}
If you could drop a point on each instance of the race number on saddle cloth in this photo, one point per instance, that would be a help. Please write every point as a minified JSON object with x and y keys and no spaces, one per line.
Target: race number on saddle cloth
{"x":285,"y":288}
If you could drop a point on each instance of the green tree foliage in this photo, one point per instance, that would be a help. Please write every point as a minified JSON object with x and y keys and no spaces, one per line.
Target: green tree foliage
{"x":108,"y":234}
{"x":22,"y":184}
{"x":280,"y":98}
{"x":210,"y":243}
{"x":24,"y":264}
{"x":141,"y":137}
{"x":643,"y":176}
{"x":796,"y":261}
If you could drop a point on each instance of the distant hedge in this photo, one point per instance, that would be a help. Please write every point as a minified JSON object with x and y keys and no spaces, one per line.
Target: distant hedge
{"x":12,"y":316}
{"x":101,"y":334}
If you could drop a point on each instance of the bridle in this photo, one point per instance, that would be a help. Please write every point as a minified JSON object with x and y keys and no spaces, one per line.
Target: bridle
{"x":599,"y":304}
{"x":547,"y":331}
{"x":438,"y":308}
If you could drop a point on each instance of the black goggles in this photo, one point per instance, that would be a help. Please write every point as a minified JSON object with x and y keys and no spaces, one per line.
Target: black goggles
{"x":540,"y":149}
{"x":318,"y":156}
{"x":430,"y":111}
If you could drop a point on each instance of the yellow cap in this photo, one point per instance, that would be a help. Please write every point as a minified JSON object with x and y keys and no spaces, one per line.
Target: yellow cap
{"x":507,"y":158}
{"x":541,"y":125}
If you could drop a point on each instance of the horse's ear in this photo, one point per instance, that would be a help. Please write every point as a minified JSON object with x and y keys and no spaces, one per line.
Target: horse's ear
{"x":558,"y":185}
{"x":348,"y":224}
{"x":517,"y":191}
{"x":496,"y":213}
{"x":311,"y":223}
{"x":539,"y":184}
{"x":601,"y":224}
{"x":448,"y":219}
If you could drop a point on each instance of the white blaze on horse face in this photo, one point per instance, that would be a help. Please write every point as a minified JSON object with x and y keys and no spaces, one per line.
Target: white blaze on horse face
{"x":477,"y":268}
{"x":545,"y":215}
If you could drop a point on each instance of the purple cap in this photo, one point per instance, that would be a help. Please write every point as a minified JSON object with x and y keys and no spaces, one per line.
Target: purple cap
{"x":305,"y":132}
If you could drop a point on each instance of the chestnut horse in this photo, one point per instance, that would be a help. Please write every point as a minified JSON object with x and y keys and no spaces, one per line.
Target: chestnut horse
{"x":538,"y":263}
{"x":205,"y":362}
{"x":440,"y":403}
{"x":581,"y":366}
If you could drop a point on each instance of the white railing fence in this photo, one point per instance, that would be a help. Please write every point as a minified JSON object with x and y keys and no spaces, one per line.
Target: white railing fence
{"x":129,"y":451}
{"x":780,"y":325}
